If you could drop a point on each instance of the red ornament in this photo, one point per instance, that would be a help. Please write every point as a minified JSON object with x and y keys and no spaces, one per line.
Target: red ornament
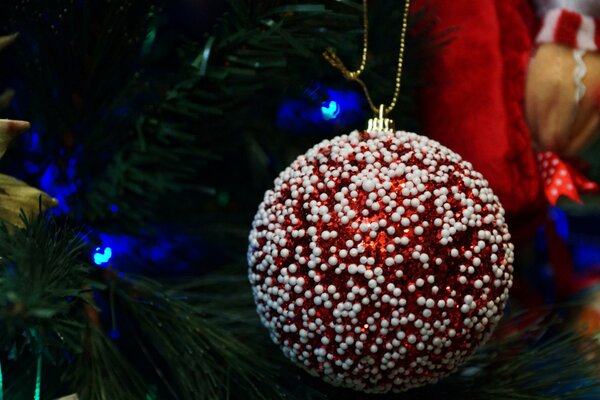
{"x":380,"y":261}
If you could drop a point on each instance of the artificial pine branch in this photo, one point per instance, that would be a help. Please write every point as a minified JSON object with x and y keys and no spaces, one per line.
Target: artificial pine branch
{"x":193,"y":357}
{"x":47,"y":305}
{"x":229,"y":95}
{"x":43,"y":285}
{"x":101,"y":372}
{"x":82,"y":64}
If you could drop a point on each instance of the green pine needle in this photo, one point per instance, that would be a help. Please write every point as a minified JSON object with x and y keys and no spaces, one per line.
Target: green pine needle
{"x":43,"y":285}
{"x":195,"y":358}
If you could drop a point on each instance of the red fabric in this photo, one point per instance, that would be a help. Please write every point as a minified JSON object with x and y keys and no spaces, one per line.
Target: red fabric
{"x":567,"y":28}
{"x":474,"y":98}
{"x":562,"y":179}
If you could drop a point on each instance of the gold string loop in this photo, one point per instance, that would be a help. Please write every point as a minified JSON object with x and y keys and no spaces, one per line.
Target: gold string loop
{"x":332,"y":58}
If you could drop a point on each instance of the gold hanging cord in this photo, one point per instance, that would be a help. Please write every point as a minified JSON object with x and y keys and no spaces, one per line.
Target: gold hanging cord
{"x":336,"y":62}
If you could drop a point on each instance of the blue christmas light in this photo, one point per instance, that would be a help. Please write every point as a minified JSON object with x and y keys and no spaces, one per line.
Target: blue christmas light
{"x":322,"y":111}
{"x":114,"y":334}
{"x":137,"y":253}
{"x":330,"y":110}
{"x":32,"y":140}
{"x":102,"y":255}
{"x":61,"y":184}
{"x":586,"y":254}
{"x":561,"y":222}
{"x":126,"y":248}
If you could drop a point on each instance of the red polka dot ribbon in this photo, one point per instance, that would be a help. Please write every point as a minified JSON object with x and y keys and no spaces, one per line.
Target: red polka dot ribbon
{"x":562,"y":179}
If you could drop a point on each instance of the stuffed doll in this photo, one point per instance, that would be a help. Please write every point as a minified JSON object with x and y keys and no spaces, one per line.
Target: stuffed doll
{"x":515,"y":80}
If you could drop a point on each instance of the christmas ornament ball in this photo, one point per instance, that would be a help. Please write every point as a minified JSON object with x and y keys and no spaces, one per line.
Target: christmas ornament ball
{"x":380,"y":261}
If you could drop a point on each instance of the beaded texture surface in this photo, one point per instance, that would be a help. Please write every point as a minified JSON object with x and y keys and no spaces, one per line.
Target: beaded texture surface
{"x":380,"y":261}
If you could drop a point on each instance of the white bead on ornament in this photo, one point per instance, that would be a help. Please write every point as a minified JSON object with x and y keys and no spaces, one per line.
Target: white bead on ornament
{"x":380,"y":261}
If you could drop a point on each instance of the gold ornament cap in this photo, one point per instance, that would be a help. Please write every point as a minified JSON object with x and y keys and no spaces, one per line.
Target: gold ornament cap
{"x":380,"y":123}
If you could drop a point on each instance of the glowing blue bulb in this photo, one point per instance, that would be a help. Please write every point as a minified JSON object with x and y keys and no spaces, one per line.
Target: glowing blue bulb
{"x":102,"y":256}
{"x":330,"y":110}
{"x":114,"y":334}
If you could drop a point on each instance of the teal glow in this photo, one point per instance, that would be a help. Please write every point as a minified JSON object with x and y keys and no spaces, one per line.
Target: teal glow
{"x":330,"y":110}
{"x":38,"y":378}
{"x":102,"y":256}
{"x":149,"y":42}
